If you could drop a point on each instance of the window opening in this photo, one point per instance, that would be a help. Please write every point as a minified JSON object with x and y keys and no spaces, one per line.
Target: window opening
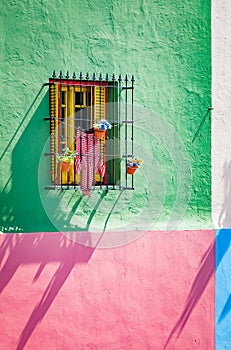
{"x":76,"y":107}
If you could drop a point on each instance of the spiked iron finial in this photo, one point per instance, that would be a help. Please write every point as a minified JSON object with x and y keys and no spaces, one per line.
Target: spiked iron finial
{"x":67,"y":75}
{"x":74,"y":75}
{"x":54,"y":74}
{"x":61,"y":75}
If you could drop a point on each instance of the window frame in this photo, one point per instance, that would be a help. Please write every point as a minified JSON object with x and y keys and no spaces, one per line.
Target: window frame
{"x":111,"y":102}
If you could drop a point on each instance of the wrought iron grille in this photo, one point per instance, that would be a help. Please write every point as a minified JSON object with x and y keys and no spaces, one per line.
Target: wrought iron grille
{"x":77,"y":107}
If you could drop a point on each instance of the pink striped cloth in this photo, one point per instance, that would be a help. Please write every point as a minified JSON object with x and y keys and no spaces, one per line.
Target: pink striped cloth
{"x":88,"y":160}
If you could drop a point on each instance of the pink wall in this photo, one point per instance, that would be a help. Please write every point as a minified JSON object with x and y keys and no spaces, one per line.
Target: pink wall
{"x":56,"y":294}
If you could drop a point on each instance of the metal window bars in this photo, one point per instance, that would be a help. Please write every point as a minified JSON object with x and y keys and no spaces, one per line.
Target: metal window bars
{"x":75,"y":106}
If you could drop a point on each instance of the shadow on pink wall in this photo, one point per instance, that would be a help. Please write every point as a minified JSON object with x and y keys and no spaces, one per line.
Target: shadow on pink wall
{"x":41,"y":249}
{"x":199,"y":284}
{"x":54,"y":248}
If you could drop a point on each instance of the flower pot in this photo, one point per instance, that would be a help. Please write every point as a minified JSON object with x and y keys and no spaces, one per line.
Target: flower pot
{"x":99,"y":133}
{"x":65,"y":167}
{"x":131,"y":170}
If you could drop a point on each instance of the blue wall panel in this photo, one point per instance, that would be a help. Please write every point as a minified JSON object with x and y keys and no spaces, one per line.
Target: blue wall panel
{"x":223,"y":289}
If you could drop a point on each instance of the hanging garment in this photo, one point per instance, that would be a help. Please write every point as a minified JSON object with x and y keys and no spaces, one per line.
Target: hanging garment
{"x":88,"y":160}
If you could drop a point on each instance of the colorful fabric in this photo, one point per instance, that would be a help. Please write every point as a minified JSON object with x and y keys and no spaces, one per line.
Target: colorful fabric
{"x":88,"y":160}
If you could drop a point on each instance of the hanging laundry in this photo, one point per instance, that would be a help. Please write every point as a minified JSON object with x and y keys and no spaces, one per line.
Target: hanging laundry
{"x":88,"y":160}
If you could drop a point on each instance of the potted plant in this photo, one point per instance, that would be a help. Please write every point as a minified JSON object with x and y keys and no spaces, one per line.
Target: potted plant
{"x":100,"y":127}
{"x":66,"y":159}
{"x":133,"y":164}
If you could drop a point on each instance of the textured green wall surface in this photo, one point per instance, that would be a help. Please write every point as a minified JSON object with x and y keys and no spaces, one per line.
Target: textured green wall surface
{"x":166,"y":45}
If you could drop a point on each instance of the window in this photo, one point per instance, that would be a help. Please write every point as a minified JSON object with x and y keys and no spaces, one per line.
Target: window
{"x":75,"y":107}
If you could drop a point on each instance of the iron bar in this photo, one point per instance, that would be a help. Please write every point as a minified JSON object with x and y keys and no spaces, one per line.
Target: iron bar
{"x":113,"y":132}
{"x":60,"y":124}
{"x":127,"y":88}
{"x":132,"y":138}
{"x":119,"y":134}
{"x":126,"y":127}
{"x":106,"y":144}
{"x":100,"y":117}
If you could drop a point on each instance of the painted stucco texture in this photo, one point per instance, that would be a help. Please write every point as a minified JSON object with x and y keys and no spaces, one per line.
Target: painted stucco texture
{"x":155,"y":293}
{"x":166,"y":45}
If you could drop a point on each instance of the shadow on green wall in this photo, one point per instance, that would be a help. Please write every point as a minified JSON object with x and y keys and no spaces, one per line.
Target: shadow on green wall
{"x":21,"y":209}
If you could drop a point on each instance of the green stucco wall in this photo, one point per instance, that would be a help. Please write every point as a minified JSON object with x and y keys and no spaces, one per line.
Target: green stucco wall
{"x":166,"y":45}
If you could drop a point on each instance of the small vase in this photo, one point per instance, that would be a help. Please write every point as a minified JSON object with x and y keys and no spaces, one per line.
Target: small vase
{"x":131,"y":170}
{"x":99,"y":133}
{"x":66,"y":167}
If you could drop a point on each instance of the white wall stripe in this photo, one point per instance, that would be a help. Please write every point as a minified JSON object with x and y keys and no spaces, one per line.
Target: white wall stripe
{"x":221,"y":117}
